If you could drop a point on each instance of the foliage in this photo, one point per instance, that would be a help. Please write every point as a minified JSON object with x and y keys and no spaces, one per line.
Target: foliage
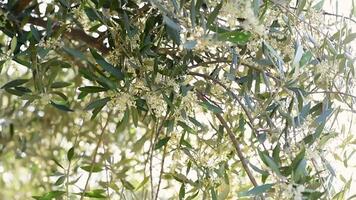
{"x":189,"y":99}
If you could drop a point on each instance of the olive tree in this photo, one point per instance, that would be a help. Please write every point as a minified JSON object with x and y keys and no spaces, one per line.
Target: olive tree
{"x":174,"y":99}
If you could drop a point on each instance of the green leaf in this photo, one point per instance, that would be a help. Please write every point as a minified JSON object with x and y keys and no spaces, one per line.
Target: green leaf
{"x":181,"y":192}
{"x":319,"y":5}
{"x":162,"y":142}
{"x":64,"y":3}
{"x":185,"y":143}
{"x":60,"y":180}
{"x":298,"y":158}
{"x":307,"y":56}
{"x":214,"y":196}
{"x":310,"y":139}
{"x":14,"y":83}
{"x":134,"y":114}
{"x":35,"y":33}
{"x":299,"y":120}
{"x":15,"y":91}
{"x":191,"y":197}
{"x":190,"y":44}
{"x":97,"y":194}
{"x":61,"y":107}
{"x":137,"y":146}
{"x":82,"y":95}
{"x":70,"y":153}
{"x":75,"y":53}
{"x":269,"y":162}
{"x":13,"y":44}
{"x":300,"y":171}
{"x":127,"y":184}
{"x":351,"y":37}
{"x":144,"y":181}
{"x":57,"y":163}
{"x":50,"y":195}
{"x":272,"y":55}
{"x":262,"y":172}
{"x":92,"y":89}
{"x":121,"y":125}
{"x":237,"y":37}
{"x":301,"y":5}
{"x":331,"y":46}
{"x":116,"y":72}
{"x":213,"y":15}
{"x":91,"y":14}
{"x":210,"y":106}
{"x":298,"y":55}
{"x":92,"y":168}
{"x":185,"y":127}
{"x":193,"y":14}
{"x":97,"y":103}
{"x":128,"y":27}
{"x":173,"y":29}
{"x":324,"y":115}
{"x":2,"y":62}
{"x":96,"y":111}
{"x":172,"y":24}
{"x":275,"y":154}
{"x":258,"y":190}
{"x":272,"y":164}
{"x":60,"y":84}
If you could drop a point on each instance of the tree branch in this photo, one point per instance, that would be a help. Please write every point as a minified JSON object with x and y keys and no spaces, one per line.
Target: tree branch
{"x":21,"y":5}
{"x":238,"y":149}
{"x":74,"y":34}
{"x":235,"y":144}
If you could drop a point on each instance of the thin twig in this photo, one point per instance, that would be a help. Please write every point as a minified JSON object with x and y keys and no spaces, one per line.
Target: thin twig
{"x":150,"y":154}
{"x":152,"y":150}
{"x":247,"y":112}
{"x":94,"y":155}
{"x":107,"y":174}
{"x":238,"y":149}
{"x":328,"y":13}
{"x":333,"y":92}
{"x":161,"y":172}
{"x":236,"y":145}
{"x":70,"y":163}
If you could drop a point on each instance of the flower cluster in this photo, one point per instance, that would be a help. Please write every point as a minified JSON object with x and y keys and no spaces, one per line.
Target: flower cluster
{"x":114,"y":56}
{"x":148,"y":64}
{"x":3,"y":18}
{"x":138,"y":87}
{"x":156,"y":103}
{"x":51,"y":43}
{"x":81,"y":16}
{"x":188,"y":102}
{"x":234,"y":9}
{"x":43,"y":100}
{"x":251,"y":22}
{"x":231,"y":10}
{"x":291,"y":191}
{"x":120,"y":101}
{"x":325,"y":69}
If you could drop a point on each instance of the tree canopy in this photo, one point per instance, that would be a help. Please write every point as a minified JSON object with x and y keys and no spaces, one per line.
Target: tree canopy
{"x":175,"y":99}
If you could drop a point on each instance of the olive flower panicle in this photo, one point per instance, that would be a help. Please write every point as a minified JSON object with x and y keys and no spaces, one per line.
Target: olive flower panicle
{"x":120,"y":102}
{"x":156,"y":103}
